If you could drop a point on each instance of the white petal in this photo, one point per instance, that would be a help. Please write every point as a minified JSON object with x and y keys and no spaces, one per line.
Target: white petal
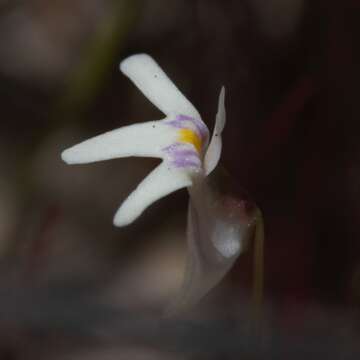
{"x":145,"y":139}
{"x":213,"y":152}
{"x":162,"y":181}
{"x":156,"y":86}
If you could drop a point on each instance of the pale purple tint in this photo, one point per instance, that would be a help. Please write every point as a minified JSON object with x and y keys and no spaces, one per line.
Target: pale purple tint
{"x":185,"y":162}
{"x":178,"y":149}
{"x":182,"y":156}
{"x":201,"y":128}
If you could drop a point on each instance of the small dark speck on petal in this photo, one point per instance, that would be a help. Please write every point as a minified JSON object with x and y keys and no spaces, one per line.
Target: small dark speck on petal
{"x":153,"y":126}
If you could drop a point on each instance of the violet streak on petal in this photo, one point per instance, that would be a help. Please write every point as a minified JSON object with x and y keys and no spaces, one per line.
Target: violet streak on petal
{"x":186,"y":163}
{"x":183,"y":121}
{"x":182,"y":156}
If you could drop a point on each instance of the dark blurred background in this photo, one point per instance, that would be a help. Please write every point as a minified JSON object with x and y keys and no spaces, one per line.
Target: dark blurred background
{"x":74,"y":287}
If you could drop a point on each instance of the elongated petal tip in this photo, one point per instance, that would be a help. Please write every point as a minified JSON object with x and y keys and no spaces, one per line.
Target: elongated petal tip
{"x":77,"y":155}
{"x":127,"y":64}
{"x":222,"y":93}
{"x":221,"y":115}
{"x":121,"y":219}
{"x":152,"y":81}
{"x":144,"y":139}
{"x":68,"y":157}
{"x":160,"y":182}
{"x":213,"y":153}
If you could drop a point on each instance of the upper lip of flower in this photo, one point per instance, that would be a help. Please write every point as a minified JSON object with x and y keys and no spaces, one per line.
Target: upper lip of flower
{"x":181,"y":140}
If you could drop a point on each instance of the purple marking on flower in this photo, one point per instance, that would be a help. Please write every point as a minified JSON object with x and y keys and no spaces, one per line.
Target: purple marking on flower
{"x":175,"y":123}
{"x":180,"y":119}
{"x":173,"y":147}
{"x":186,"y":152}
{"x":186,"y":162}
{"x":181,"y":155}
{"x":180,"y":149}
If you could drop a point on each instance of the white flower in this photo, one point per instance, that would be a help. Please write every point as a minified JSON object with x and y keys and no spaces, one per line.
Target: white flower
{"x":216,"y":232}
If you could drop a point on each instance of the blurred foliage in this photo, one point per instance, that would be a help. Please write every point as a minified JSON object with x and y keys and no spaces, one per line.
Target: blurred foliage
{"x":98,"y":59}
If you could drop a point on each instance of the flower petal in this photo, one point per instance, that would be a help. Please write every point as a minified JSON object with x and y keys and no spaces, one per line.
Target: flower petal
{"x":162,"y":181}
{"x":151,"y":80}
{"x":213,"y":152}
{"x":145,"y":139}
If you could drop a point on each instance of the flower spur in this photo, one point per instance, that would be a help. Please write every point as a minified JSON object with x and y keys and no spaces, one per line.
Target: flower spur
{"x":217,"y":231}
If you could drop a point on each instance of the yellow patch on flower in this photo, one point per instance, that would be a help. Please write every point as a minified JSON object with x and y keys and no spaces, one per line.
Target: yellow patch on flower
{"x":189,"y":136}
